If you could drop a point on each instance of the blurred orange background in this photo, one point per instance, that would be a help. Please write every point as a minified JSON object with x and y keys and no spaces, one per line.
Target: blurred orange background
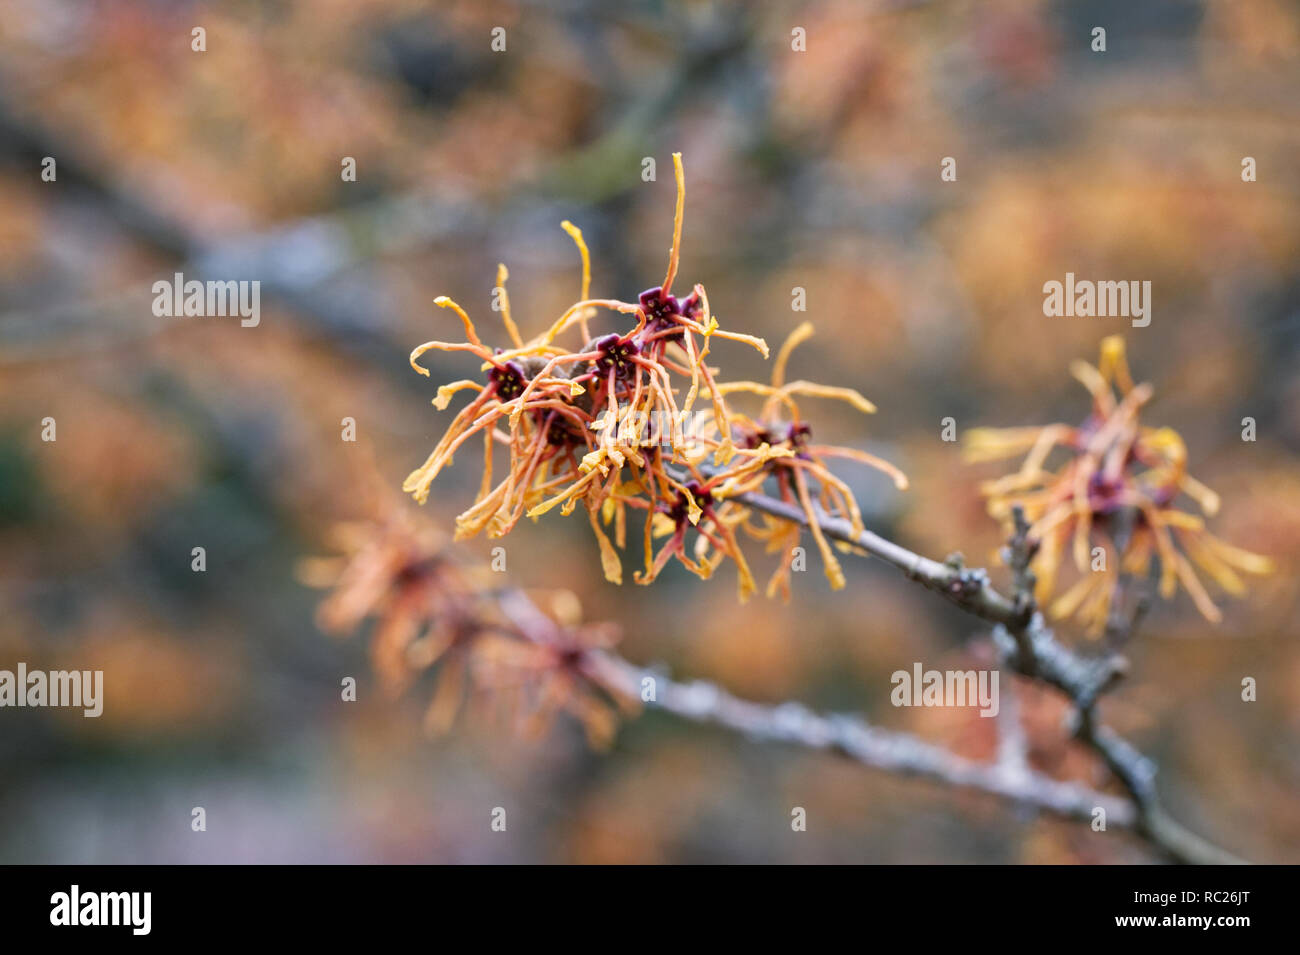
{"x":815,"y":169}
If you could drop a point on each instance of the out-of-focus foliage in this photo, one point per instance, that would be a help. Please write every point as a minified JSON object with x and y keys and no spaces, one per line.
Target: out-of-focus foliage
{"x":817,"y":170}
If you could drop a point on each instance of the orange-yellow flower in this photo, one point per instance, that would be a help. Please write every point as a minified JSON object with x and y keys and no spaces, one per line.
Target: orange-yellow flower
{"x":780,"y":439}
{"x":436,"y":615}
{"x":575,"y":425}
{"x":1120,"y":486}
{"x":573,"y":419}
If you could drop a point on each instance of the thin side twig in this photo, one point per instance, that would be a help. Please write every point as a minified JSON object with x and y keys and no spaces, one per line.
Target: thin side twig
{"x":1029,"y":646}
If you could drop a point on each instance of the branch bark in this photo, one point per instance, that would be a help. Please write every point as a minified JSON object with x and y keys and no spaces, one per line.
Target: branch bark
{"x":854,"y":738}
{"x":1029,"y":646}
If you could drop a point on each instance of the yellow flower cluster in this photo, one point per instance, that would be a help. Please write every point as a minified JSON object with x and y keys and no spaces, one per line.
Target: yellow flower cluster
{"x":612,"y":426}
{"x":1119,"y":486}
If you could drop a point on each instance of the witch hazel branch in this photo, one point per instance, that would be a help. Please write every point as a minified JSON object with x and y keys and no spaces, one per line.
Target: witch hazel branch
{"x":738,"y":461}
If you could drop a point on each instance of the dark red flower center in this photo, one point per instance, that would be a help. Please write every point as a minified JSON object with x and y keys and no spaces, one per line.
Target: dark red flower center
{"x":509,"y":379}
{"x":616,"y":354}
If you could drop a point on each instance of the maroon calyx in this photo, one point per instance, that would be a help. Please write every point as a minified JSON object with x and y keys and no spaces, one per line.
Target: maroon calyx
{"x":616,"y":354}
{"x":661,"y":311}
{"x":560,"y":431}
{"x":509,"y":380}
{"x":1105,"y":494}
{"x":796,"y":433}
{"x":681,"y":507}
